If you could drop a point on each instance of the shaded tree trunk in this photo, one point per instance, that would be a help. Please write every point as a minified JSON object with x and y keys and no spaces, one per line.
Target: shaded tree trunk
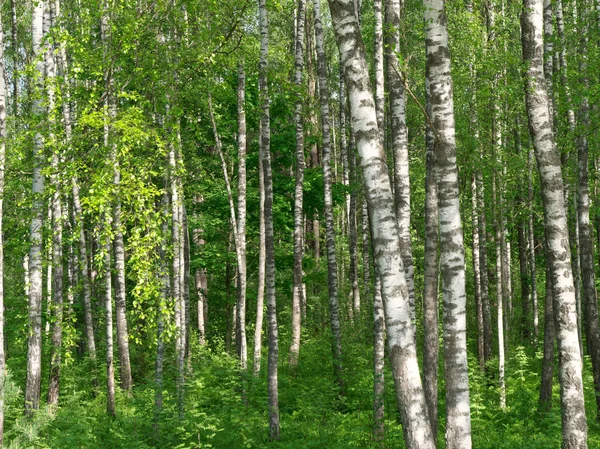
{"x":586,"y":244}
{"x":260,"y":295}
{"x":110,"y":368}
{"x":34,"y":344}
{"x":548,"y":361}
{"x":241,"y":220}
{"x":3,"y":135}
{"x":265,"y":158}
{"x":299,"y":188}
{"x":334,"y":314}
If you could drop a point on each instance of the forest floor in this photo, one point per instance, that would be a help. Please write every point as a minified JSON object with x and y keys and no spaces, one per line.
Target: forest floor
{"x":313,"y":415}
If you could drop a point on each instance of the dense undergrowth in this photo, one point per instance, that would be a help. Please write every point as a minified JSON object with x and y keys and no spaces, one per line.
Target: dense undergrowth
{"x":312,"y":413}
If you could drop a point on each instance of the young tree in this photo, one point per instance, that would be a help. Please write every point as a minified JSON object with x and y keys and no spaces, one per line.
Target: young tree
{"x":334,"y":314}
{"x":34,"y":351}
{"x":265,"y":159}
{"x":3,"y":104}
{"x":299,"y":188}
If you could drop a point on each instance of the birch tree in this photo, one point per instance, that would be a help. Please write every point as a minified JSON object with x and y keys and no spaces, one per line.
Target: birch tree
{"x":452,"y":257}
{"x":384,"y":229}
{"x":265,"y":160}
{"x":34,"y":345}
{"x":299,"y":187}
{"x":574,"y":422}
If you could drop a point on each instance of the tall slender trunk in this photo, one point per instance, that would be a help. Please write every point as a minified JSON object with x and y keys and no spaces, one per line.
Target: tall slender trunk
{"x":177,"y":271}
{"x":477,"y":276}
{"x":299,"y":189}
{"x":165,"y":292}
{"x":260,"y":294}
{"x":483,"y":266}
{"x":3,"y":92}
{"x":452,"y":257}
{"x":118,"y":243}
{"x":185,"y":282}
{"x":52,"y":13}
{"x":586,"y":244}
{"x":15,"y":44}
{"x":574,"y":422}
{"x":354,"y":308}
{"x":575,"y":260}
{"x":110,"y":368}
{"x":524,"y":273}
{"x":399,"y":141}
{"x":265,"y":158}
{"x":84,"y":273}
{"x":34,"y":345}
{"x":400,"y":328}
{"x":431,"y":349}
{"x":532,"y":264}
{"x":499,"y":291}
{"x":241,"y":220}
{"x":57,"y":287}
{"x":334,"y":314}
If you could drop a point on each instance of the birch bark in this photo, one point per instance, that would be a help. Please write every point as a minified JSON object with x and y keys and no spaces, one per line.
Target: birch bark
{"x":401,"y":331}
{"x":265,"y":158}
{"x":334,"y":314}
{"x":34,"y":345}
{"x":452,"y":258}
{"x":399,"y":141}
{"x":574,"y":422}
{"x":299,"y":188}
{"x":3,"y":135}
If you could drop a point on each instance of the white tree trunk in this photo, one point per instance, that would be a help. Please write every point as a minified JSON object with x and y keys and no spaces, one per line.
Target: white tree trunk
{"x":452,"y":257}
{"x":265,"y":158}
{"x":34,"y":345}
{"x":299,"y":187}
{"x":555,"y":219}
{"x":400,"y":328}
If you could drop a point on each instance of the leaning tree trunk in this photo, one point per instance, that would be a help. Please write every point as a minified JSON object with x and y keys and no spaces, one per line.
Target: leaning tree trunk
{"x":574,"y":422}
{"x":400,"y":328}
{"x":34,"y":344}
{"x":334,"y":313}
{"x":299,"y":189}
{"x":452,"y":257}
{"x":265,"y":159}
